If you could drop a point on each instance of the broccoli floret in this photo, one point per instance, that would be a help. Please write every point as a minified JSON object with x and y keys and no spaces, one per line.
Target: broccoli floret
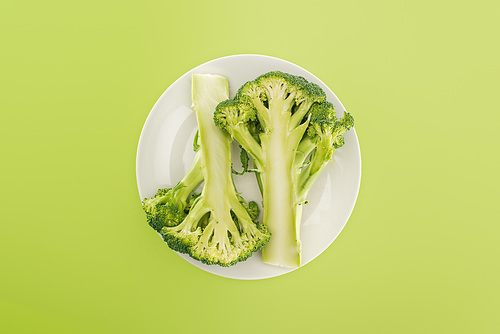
{"x":170,"y":205}
{"x":290,"y":132}
{"x":323,"y":136}
{"x":253,"y":210}
{"x":219,"y":227}
{"x":161,"y":210}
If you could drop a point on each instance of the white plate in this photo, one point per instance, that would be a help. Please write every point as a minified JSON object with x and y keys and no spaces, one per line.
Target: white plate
{"x":165,"y":153}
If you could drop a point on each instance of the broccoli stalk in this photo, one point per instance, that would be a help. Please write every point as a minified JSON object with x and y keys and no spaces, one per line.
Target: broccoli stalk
{"x":218,"y":228}
{"x":280,"y":120}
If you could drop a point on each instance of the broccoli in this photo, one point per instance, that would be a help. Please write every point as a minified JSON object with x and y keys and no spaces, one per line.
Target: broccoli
{"x":170,"y":205}
{"x":290,"y":132}
{"x":219,"y":226}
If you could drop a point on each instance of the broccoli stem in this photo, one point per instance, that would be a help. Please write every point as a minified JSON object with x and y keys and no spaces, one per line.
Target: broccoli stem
{"x":188,"y":183}
{"x":219,"y":191}
{"x":278,"y":191}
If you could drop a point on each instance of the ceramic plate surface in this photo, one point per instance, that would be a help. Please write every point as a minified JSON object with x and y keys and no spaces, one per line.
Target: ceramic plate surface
{"x":165,"y":153}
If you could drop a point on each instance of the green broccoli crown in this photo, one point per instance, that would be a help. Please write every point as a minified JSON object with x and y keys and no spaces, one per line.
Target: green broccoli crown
{"x":274,"y":83}
{"x":286,"y":80}
{"x":253,"y":210}
{"x":181,"y":238}
{"x":165,"y":215}
{"x":230,"y":113}
{"x":250,"y":90}
{"x":322,"y":119}
{"x":347,"y":120}
{"x":323,"y":113}
{"x":268,"y":84}
{"x":210,"y":241}
{"x":315,"y":92}
{"x":340,"y":127}
{"x":324,"y":123}
{"x":161,"y":210}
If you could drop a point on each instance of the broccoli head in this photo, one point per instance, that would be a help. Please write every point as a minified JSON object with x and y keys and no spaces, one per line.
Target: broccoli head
{"x":170,"y":205}
{"x":161,"y":210}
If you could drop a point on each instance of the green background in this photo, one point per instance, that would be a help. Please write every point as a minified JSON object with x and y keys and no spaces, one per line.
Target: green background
{"x":420,"y":253}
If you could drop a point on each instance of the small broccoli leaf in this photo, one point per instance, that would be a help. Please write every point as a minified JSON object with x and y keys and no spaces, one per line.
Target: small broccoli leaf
{"x":196,"y":146}
{"x":244,"y":162}
{"x":244,"y":159}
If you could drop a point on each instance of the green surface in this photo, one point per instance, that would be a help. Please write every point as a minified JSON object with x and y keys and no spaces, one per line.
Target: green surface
{"x":420,"y":252}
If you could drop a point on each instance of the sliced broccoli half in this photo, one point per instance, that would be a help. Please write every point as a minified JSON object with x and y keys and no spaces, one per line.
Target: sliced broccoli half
{"x":290,"y":132}
{"x":218,"y":227}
